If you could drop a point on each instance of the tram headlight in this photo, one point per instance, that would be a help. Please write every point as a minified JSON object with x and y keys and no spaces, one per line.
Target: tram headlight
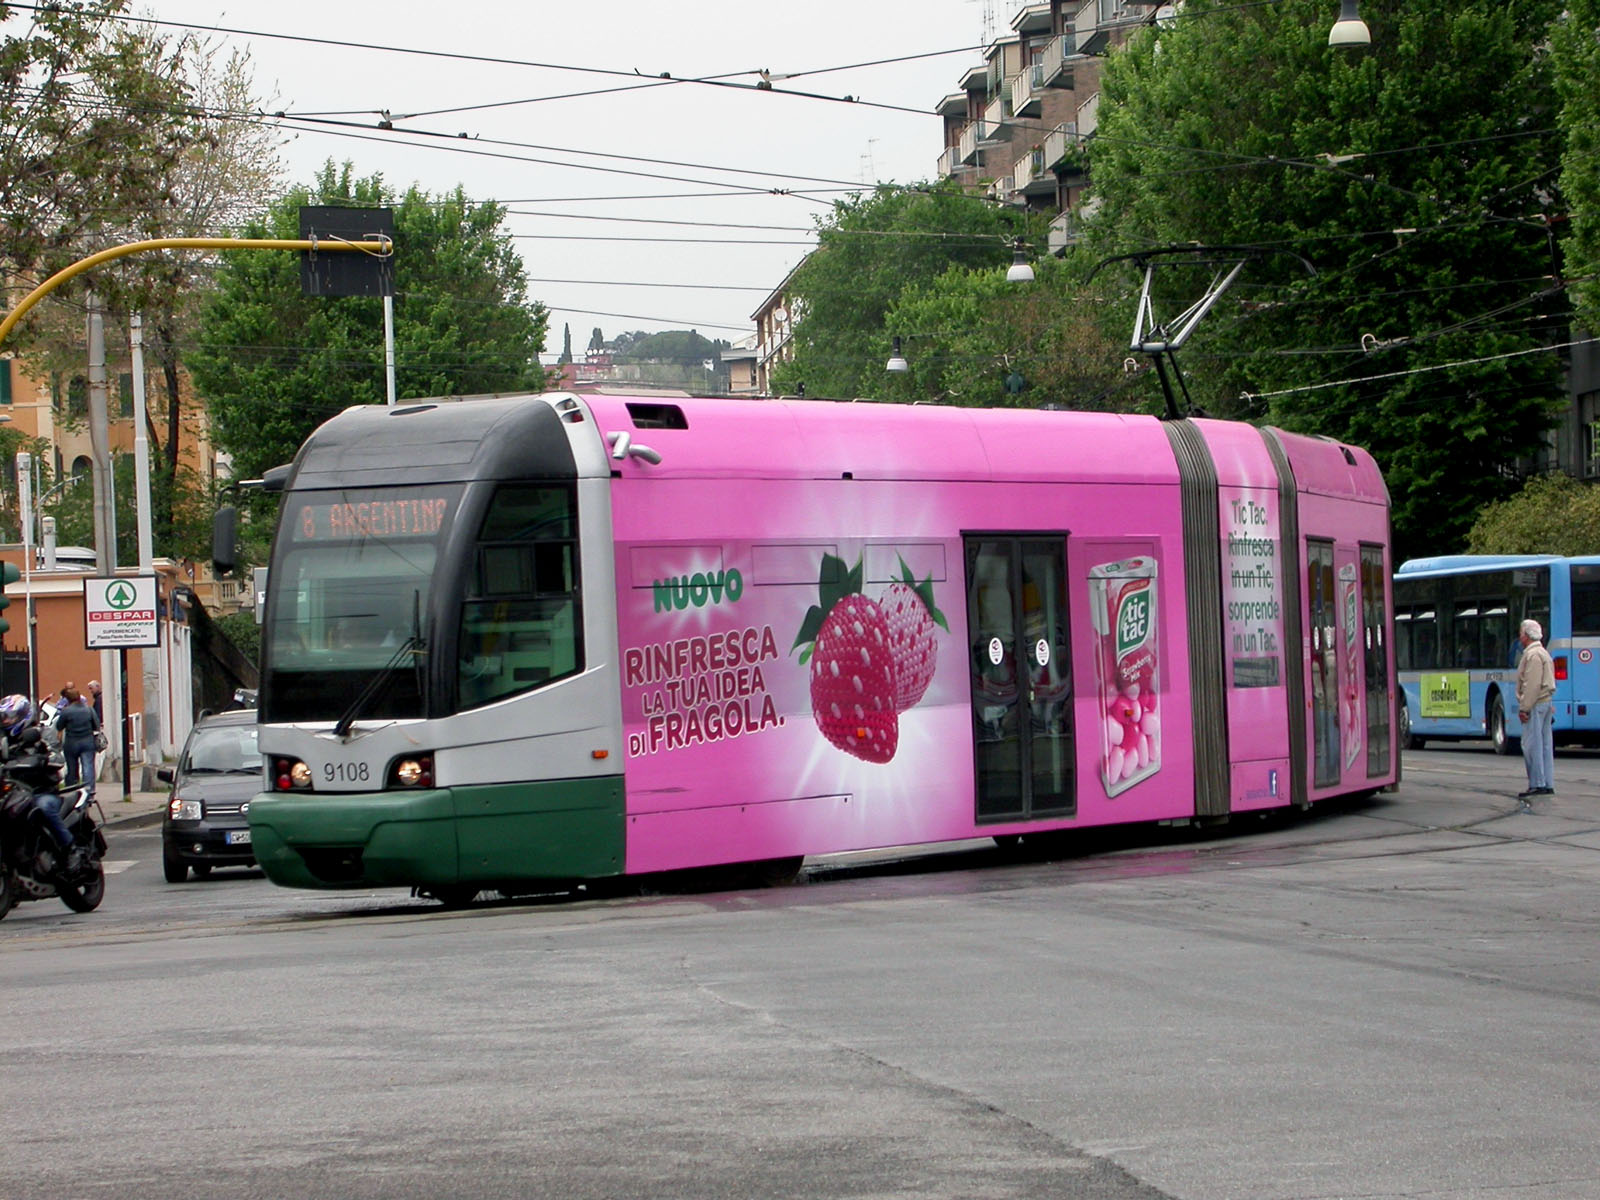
{"x":290,"y":775}
{"x":411,"y":771}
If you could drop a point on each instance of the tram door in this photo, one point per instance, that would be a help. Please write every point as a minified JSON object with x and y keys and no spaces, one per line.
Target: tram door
{"x":1322,"y":595}
{"x":1021,"y":679}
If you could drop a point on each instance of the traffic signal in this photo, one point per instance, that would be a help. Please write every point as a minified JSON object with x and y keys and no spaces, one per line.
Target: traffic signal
{"x":9,"y":574}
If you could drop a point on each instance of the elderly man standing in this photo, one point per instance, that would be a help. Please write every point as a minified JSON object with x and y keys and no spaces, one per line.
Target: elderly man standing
{"x":1536,"y":689}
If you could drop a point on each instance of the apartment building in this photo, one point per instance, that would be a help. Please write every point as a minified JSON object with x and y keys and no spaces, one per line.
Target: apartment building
{"x":1018,"y":122}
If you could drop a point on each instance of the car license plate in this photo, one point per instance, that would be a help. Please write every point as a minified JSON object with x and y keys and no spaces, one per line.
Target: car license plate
{"x":238,"y":837}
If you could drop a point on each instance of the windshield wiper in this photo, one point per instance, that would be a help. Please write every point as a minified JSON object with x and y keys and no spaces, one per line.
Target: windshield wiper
{"x":413,"y":646}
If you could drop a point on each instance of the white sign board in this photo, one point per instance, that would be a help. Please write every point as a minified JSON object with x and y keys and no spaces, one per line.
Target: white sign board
{"x":120,"y":614}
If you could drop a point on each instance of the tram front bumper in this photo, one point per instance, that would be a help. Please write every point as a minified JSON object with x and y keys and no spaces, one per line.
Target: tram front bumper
{"x":554,"y":829}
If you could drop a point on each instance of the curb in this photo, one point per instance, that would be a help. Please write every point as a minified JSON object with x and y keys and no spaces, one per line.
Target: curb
{"x":137,"y":820}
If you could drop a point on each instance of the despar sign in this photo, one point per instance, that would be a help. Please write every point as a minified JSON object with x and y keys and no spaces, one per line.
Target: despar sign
{"x":120,"y":613}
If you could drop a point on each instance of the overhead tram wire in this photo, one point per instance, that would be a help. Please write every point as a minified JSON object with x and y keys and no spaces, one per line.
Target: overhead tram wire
{"x":357,"y":131}
{"x":663,"y":79}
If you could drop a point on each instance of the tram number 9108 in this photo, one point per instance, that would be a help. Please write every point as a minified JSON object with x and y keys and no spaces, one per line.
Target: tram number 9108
{"x":355,"y":772}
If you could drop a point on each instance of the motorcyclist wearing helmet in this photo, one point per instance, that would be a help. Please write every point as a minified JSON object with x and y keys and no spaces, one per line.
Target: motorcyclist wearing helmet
{"x":24,"y":746}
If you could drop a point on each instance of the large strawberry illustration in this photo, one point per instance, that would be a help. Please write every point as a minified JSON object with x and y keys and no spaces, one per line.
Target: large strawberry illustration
{"x":870,"y":660}
{"x":853,"y":681}
{"x":911,"y":614}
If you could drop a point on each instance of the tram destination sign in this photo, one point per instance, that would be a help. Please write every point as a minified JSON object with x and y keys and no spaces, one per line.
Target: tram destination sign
{"x":120,"y":613}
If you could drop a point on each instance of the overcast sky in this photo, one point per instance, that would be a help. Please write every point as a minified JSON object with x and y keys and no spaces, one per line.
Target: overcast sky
{"x":688,"y":145}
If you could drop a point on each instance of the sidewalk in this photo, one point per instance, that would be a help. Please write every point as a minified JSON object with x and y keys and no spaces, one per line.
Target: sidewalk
{"x":141,"y":808}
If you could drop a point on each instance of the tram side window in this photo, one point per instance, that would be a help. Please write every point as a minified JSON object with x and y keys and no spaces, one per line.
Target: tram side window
{"x":520,"y":616}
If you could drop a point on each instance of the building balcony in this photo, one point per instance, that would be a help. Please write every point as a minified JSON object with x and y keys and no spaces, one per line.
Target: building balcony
{"x":996,"y":122}
{"x":1027,"y":91}
{"x":1089,"y":117}
{"x":947,"y":163}
{"x":1094,"y":23}
{"x":1055,"y":68}
{"x":1060,"y":140}
{"x":1003,"y":191}
{"x":1063,"y":232}
{"x":1031,"y":177}
{"x":973,"y":137}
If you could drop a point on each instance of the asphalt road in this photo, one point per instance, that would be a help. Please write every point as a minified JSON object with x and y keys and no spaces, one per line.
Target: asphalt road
{"x":1393,"y":998}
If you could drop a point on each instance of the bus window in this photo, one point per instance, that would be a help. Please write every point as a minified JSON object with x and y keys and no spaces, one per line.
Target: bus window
{"x":1465,"y":628}
{"x":520,"y":621}
{"x":1585,"y":601}
{"x":1496,"y":637}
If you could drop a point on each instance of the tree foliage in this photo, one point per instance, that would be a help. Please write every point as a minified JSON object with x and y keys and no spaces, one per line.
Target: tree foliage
{"x":1391,"y":171}
{"x":685,"y":346}
{"x":1575,"y":53}
{"x":971,"y":338}
{"x":273,"y":363}
{"x":189,"y":499}
{"x":93,"y":117}
{"x":1552,"y":514}
{"x":871,"y":250}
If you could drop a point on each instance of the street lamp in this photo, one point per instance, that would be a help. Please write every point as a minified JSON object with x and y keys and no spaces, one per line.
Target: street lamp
{"x":1349,"y":29}
{"x":1020,"y":271}
{"x":897,"y":363}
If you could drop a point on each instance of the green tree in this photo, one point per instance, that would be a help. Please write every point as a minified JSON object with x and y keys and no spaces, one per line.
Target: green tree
{"x":190,"y":501}
{"x":93,"y":117}
{"x":970,"y":337}
{"x":1552,"y":514}
{"x":1408,"y":174}
{"x":273,"y":364}
{"x":870,"y":250}
{"x":684,"y":346}
{"x":1575,"y":53}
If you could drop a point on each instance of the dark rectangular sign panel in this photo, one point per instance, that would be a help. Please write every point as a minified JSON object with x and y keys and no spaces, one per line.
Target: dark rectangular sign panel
{"x":344,"y":272}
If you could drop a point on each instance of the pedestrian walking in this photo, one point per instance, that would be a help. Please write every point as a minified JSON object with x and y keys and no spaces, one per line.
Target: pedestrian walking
{"x":1536,"y":689}
{"x":96,"y":703}
{"x":80,"y":730}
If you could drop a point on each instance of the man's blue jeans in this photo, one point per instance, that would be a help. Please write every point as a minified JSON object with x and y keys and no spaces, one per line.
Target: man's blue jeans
{"x":50,"y":808}
{"x":1538,"y":745}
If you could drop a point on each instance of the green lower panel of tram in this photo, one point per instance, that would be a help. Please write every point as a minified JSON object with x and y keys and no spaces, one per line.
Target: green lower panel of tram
{"x":550,"y":830}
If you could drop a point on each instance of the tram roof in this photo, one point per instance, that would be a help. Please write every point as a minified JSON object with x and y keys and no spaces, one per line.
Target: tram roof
{"x":719,"y":437}
{"x":709,"y":437}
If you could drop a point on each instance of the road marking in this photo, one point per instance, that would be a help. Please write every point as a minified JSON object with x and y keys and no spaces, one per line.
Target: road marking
{"x":116,"y":866}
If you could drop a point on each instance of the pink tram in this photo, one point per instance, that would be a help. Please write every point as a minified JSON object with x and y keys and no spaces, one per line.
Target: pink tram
{"x":518,"y":640}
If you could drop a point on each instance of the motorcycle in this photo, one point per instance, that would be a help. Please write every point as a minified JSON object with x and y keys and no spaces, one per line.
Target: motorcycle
{"x":33,"y":866}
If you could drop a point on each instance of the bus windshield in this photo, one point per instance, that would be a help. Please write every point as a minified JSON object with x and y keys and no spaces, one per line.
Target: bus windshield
{"x":349,"y":593}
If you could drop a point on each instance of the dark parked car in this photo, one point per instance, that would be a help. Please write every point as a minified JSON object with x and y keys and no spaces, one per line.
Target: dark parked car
{"x":205,"y":824}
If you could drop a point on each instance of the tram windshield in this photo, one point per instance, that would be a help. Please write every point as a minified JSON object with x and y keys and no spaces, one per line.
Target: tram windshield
{"x":350,"y":584}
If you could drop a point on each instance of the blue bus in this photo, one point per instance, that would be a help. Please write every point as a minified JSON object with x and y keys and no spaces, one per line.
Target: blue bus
{"x":1456,"y":621}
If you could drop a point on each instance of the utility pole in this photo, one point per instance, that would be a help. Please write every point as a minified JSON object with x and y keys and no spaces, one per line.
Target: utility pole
{"x":150,"y":659}
{"x":105,"y":529}
{"x":105,"y":551}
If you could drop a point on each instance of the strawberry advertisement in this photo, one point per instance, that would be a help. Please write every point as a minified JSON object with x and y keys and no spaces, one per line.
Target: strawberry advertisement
{"x":871,"y":658}
{"x":841,"y":663}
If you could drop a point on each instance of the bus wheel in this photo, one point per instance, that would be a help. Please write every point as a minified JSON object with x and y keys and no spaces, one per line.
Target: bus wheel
{"x":1408,"y":741}
{"x":1504,"y":743}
